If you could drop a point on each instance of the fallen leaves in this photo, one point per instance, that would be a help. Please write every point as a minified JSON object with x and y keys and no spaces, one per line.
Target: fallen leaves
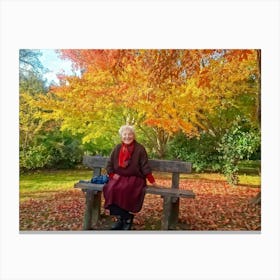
{"x":61,"y":211}
{"x":216,"y":207}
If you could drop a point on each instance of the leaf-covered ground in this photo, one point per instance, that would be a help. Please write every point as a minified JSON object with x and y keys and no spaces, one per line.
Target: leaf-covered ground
{"x":217,"y":206}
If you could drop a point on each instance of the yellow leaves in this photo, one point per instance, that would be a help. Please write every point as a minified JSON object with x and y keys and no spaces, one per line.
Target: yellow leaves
{"x":187,"y":128}
{"x":168,"y":90}
{"x":235,"y":66}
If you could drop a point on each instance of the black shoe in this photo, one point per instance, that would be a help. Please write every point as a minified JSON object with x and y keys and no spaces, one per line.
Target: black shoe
{"x":127,"y":223}
{"x":118,"y":224}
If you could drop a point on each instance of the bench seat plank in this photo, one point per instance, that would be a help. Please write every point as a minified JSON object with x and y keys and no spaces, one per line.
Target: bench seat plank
{"x":170,"y":192}
{"x":152,"y":190}
{"x":89,"y":186}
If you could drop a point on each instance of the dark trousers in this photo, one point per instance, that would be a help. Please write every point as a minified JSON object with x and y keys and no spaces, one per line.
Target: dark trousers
{"x":118,"y":211}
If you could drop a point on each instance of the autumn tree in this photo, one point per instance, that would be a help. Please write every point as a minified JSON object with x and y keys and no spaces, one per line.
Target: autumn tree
{"x":162,"y":92}
{"x":29,"y":63}
{"x":234,"y":76}
{"x":257,"y":198}
{"x":31,"y":84}
{"x":134,"y":84}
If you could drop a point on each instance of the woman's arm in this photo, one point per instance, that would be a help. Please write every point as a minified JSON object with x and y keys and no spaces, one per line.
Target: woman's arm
{"x":145,"y":167}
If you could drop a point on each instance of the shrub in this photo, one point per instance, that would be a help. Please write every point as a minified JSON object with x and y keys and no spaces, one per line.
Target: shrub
{"x":53,"y":150}
{"x":237,"y":143}
{"x":34,"y":157}
{"x":202,"y":151}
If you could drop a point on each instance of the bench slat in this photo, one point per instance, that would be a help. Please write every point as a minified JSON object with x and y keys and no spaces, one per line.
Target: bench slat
{"x":95,"y":161}
{"x":151,"y":190}
{"x":170,"y":192}
{"x":89,"y":186}
{"x":156,"y":165}
{"x":170,"y":166}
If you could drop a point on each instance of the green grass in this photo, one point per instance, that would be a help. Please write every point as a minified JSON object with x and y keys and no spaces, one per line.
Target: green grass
{"x":244,"y":179}
{"x":249,"y":166}
{"x":43,"y":183}
{"x":249,"y":174}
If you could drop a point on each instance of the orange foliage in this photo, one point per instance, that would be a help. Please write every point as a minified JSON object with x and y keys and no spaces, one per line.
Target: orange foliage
{"x":168,"y":90}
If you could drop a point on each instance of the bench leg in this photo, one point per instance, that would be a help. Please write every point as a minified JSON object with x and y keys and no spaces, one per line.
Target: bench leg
{"x":170,"y":213}
{"x":92,"y":211}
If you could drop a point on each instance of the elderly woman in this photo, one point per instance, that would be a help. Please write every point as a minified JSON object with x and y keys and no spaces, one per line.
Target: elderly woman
{"x":128,"y":170}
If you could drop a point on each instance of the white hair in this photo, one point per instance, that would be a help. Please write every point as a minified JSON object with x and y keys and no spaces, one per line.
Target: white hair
{"x":126,"y":127}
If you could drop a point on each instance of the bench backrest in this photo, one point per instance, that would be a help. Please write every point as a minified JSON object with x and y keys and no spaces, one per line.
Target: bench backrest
{"x":170,"y":166}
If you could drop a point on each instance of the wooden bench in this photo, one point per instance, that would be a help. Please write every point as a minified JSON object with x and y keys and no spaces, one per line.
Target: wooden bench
{"x":170,"y":195}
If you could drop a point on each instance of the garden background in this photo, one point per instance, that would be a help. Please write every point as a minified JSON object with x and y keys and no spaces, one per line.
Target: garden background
{"x":202,"y":106}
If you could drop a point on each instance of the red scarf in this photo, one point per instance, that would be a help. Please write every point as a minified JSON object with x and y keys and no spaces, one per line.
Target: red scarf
{"x":125,"y":154}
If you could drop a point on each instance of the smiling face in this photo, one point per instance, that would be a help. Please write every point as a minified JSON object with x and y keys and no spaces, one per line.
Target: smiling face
{"x":127,"y":136}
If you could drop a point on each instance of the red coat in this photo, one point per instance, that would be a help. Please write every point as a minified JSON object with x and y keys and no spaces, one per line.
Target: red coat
{"x":129,"y":190}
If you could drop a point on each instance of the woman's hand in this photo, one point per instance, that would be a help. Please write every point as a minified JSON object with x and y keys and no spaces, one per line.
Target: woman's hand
{"x":154,"y":184}
{"x":116,"y":177}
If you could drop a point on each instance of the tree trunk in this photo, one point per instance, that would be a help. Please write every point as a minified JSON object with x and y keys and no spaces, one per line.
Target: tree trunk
{"x":161,"y":139}
{"x":257,"y":198}
{"x":259,"y":89}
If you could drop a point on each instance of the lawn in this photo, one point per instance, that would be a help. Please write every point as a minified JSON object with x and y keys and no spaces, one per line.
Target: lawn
{"x":43,"y":184}
{"x":49,"y":202}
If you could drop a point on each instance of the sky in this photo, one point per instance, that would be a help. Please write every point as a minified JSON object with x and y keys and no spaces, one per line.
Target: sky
{"x":54,"y":64}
